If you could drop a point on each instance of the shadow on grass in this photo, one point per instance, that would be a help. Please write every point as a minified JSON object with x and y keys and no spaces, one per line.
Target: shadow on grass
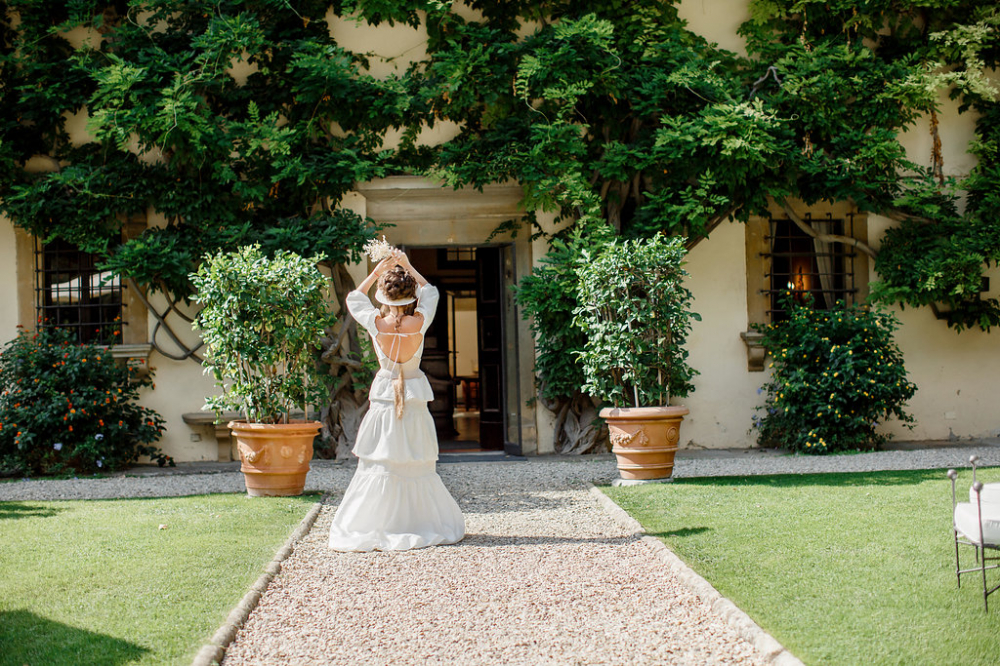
{"x":26,"y":638}
{"x":880,"y":478}
{"x":14,"y":510}
{"x":683,"y":532}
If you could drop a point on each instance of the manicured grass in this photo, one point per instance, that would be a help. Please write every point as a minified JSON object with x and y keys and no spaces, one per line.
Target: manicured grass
{"x":840,"y":568}
{"x":98,"y":582}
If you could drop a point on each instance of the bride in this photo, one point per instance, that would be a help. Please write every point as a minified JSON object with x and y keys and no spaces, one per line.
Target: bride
{"x":396,"y":500}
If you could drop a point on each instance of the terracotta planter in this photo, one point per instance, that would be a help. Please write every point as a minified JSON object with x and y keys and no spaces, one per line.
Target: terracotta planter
{"x":644,"y":439}
{"x":275,"y":456}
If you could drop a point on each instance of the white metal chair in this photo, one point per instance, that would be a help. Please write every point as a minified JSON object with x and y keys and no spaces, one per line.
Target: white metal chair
{"x":976,"y":523}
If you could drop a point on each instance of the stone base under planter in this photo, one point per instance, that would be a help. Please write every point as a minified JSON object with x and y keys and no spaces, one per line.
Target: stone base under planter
{"x":639,"y":482}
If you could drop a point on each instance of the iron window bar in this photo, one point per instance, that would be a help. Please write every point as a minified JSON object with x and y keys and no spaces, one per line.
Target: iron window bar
{"x":71,"y":292}
{"x":788,"y":245}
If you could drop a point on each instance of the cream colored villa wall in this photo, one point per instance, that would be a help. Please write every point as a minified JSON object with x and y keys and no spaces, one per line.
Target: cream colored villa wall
{"x":725,"y":392}
{"x":717,"y":21}
{"x":955,"y":373}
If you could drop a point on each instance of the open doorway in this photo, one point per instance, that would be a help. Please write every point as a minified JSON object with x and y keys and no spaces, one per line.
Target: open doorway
{"x":463,"y":351}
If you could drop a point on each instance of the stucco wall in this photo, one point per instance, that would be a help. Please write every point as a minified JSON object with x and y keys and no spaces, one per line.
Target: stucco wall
{"x":725,"y":391}
{"x":955,"y":373}
{"x":180,"y":388}
{"x":717,"y":21}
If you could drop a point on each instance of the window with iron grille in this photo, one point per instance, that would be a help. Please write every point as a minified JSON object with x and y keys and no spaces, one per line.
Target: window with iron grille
{"x":71,"y":292}
{"x":808,"y":267}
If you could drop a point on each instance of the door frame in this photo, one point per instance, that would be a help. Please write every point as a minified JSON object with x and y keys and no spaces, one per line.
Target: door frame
{"x":428,"y":213}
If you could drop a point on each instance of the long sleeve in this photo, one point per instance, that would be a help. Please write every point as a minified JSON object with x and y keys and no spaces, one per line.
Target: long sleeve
{"x":361,"y":308}
{"x":427,"y":302}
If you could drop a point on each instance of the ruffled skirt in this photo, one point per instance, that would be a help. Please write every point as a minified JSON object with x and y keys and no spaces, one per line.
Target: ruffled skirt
{"x":396,"y":500}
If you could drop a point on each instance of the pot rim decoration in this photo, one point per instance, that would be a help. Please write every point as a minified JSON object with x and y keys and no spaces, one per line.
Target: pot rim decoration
{"x":644,"y":413}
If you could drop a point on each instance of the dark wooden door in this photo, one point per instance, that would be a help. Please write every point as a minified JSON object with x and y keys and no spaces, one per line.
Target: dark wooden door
{"x":489,"y":308}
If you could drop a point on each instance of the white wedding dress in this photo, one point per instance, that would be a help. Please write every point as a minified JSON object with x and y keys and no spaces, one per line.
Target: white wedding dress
{"x":396,"y":500}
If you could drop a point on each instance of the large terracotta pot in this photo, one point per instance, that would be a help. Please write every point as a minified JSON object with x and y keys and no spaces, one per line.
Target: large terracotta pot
{"x":275,"y":456}
{"x":644,"y":439}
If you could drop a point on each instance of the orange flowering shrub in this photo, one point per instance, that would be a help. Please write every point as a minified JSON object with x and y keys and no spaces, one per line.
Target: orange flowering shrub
{"x":66,"y":407}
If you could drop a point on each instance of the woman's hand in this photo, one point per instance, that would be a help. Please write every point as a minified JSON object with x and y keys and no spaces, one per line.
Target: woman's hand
{"x":399,"y":257}
{"x":404,"y":261}
{"x":380,"y":269}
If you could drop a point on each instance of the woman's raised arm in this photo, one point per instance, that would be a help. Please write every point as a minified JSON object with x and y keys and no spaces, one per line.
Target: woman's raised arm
{"x":380,"y":268}
{"x":404,"y":261}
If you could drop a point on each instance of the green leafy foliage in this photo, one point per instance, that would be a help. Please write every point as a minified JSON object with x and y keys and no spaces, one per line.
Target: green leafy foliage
{"x":262,"y":320}
{"x":548,"y":297}
{"x":69,"y":407}
{"x":226,"y":162}
{"x":836,"y":375}
{"x":633,"y":312}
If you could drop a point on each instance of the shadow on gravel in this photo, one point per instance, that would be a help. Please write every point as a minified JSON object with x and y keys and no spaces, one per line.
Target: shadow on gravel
{"x":500,"y":540}
{"x":475,"y":500}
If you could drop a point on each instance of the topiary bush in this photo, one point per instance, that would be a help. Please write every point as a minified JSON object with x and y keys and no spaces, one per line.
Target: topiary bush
{"x":66,"y":406}
{"x":635,"y":316}
{"x":836,"y":374}
{"x":263,"y":319}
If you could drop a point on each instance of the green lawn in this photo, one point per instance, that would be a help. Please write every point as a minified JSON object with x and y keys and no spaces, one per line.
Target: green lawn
{"x":840,"y":568}
{"x":98,"y":582}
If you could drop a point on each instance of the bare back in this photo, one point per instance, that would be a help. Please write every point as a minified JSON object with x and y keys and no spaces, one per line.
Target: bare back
{"x":399,"y":344}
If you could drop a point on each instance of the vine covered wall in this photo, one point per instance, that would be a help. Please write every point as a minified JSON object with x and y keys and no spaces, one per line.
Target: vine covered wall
{"x":247,"y":121}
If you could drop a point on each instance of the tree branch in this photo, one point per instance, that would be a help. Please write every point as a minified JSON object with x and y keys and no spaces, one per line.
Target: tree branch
{"x":826,"y":238}
{"x":187,"y":352}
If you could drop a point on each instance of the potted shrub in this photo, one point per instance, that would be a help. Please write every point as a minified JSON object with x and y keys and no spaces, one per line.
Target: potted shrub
{"x":633,"y":310}
{"x":262,"y":320}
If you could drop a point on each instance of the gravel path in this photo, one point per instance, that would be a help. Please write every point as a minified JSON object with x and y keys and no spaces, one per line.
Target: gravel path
{"x":330,"y":475}
{"x":543,"y":577}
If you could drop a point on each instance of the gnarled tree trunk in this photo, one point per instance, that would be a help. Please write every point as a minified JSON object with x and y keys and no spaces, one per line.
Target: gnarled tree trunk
{"x":342,"y":351}
{"x":577,"y":428}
